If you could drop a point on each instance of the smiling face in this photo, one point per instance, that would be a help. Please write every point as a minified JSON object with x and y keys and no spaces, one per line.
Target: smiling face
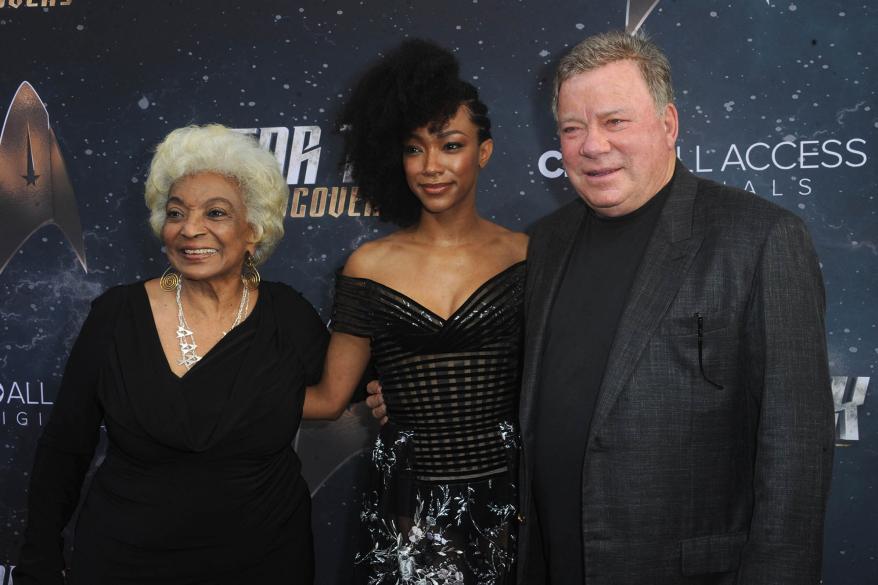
{"x":618,"y":151}
{"x":206,"y":232}
{"x":442,"y":168}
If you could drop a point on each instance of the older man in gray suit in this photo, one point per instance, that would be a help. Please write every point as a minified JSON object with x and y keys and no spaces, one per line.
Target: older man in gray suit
{"x":676,"y":412}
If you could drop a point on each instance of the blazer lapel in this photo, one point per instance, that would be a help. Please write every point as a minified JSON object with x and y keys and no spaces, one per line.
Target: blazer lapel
{"x":665,"y":262}
{"x":547,"y":260}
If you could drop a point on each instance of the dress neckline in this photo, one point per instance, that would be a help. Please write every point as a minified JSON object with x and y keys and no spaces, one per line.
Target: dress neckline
{"x":454,"y":313}
{"x":157,"y":340}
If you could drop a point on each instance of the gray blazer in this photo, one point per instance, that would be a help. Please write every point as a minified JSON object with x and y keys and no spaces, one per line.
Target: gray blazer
{"x":683,"y":482}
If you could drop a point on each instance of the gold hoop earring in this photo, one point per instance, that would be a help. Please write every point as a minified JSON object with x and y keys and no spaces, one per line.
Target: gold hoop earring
{"x":170,"y":280}
{"x":250,"y":276}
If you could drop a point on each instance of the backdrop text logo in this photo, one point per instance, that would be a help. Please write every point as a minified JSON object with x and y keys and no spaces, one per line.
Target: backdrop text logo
{"x":34,"y":3}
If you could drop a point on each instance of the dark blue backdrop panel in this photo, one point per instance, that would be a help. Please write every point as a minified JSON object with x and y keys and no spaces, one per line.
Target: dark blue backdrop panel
{"x":774,"y":97}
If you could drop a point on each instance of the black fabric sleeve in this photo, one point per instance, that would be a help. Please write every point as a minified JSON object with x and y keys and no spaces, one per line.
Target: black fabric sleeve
{"x":313,"y":338}
{"x":351,"y":312}
{"x":66,"y":447}
{"x":306,"y":329}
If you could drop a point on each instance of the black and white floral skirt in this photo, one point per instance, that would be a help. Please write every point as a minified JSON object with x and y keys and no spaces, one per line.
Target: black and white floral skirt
{"x":436,"y":533}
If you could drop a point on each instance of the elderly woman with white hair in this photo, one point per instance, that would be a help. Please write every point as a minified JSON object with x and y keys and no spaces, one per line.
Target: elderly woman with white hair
{"x":199,"y":378}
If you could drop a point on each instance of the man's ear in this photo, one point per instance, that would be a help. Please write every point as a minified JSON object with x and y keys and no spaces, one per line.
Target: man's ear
{"x":671,"y":124}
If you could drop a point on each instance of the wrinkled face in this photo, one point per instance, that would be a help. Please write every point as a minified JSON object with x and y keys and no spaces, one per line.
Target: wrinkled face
{"x":442,"y":168}
{"x":206,"y":232}
{"x":618,"y":151}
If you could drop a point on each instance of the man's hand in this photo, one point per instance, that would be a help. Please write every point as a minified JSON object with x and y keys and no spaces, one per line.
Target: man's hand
{"x":375,"y":401}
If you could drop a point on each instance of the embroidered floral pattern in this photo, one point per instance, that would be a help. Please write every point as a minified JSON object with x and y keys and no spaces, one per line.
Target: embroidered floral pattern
{"x":455,"y":534}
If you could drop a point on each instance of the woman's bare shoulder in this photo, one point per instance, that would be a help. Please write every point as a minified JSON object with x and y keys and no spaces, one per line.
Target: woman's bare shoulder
{"x":373,"y":256}
{"x":518,"y":243}
{"x":513,"y":244}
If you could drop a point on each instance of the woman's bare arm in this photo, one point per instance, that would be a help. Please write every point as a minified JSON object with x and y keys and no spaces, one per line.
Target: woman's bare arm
{"x":346,"y":359}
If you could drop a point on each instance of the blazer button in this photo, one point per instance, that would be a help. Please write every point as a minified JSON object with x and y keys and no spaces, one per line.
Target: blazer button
{"x":521,"y":518}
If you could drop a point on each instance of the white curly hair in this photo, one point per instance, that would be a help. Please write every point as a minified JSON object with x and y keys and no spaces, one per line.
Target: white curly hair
{"x":215,"y":148}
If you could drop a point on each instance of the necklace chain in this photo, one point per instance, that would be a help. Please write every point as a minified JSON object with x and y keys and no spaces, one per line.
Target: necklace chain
{"x":185,"y":335}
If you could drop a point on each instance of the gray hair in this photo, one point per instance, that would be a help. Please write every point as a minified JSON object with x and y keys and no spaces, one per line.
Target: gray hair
{"x":603,"y":49}
{"x":216,"y":149}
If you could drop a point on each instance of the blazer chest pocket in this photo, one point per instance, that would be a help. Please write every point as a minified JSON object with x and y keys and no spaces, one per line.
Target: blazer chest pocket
{"x":688,"y":324}
{"x":719,"y":553}
{"x":698,"y":345}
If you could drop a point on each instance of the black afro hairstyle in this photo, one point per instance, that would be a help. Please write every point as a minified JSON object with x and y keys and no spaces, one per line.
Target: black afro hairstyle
{"x":416,"y":84}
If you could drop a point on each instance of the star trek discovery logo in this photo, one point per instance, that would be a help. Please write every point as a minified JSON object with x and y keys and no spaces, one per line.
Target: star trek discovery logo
{"x":299,"y":160}
{"x":34,"y":187}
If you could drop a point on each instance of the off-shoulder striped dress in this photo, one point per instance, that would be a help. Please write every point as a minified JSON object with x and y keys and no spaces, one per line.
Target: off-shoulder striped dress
{"x":442,"y":506}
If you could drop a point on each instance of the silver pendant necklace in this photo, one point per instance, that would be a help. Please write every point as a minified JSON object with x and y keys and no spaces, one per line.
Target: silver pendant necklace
{"x":185,"y":335}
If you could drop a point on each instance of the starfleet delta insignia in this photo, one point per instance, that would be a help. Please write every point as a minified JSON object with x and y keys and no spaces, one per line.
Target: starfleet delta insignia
{"x":636,"y":12}
{"x":35,"y":189}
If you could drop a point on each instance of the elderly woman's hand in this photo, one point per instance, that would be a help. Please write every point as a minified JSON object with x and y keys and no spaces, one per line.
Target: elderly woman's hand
{"x":375,"y":401}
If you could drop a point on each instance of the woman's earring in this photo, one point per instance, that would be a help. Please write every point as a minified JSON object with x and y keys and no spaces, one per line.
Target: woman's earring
{"x":170,"y":280}
{"x":250,"y":275}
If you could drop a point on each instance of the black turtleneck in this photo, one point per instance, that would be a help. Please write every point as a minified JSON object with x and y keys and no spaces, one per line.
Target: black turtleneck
{"x":581,"y":328}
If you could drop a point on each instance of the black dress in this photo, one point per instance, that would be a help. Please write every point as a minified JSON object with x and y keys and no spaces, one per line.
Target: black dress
{"x":200,"y":483}
{"x":442,"y":509}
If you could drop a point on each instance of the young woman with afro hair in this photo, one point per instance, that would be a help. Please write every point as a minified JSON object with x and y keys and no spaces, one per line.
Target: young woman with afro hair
{"x":437,"y":307}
